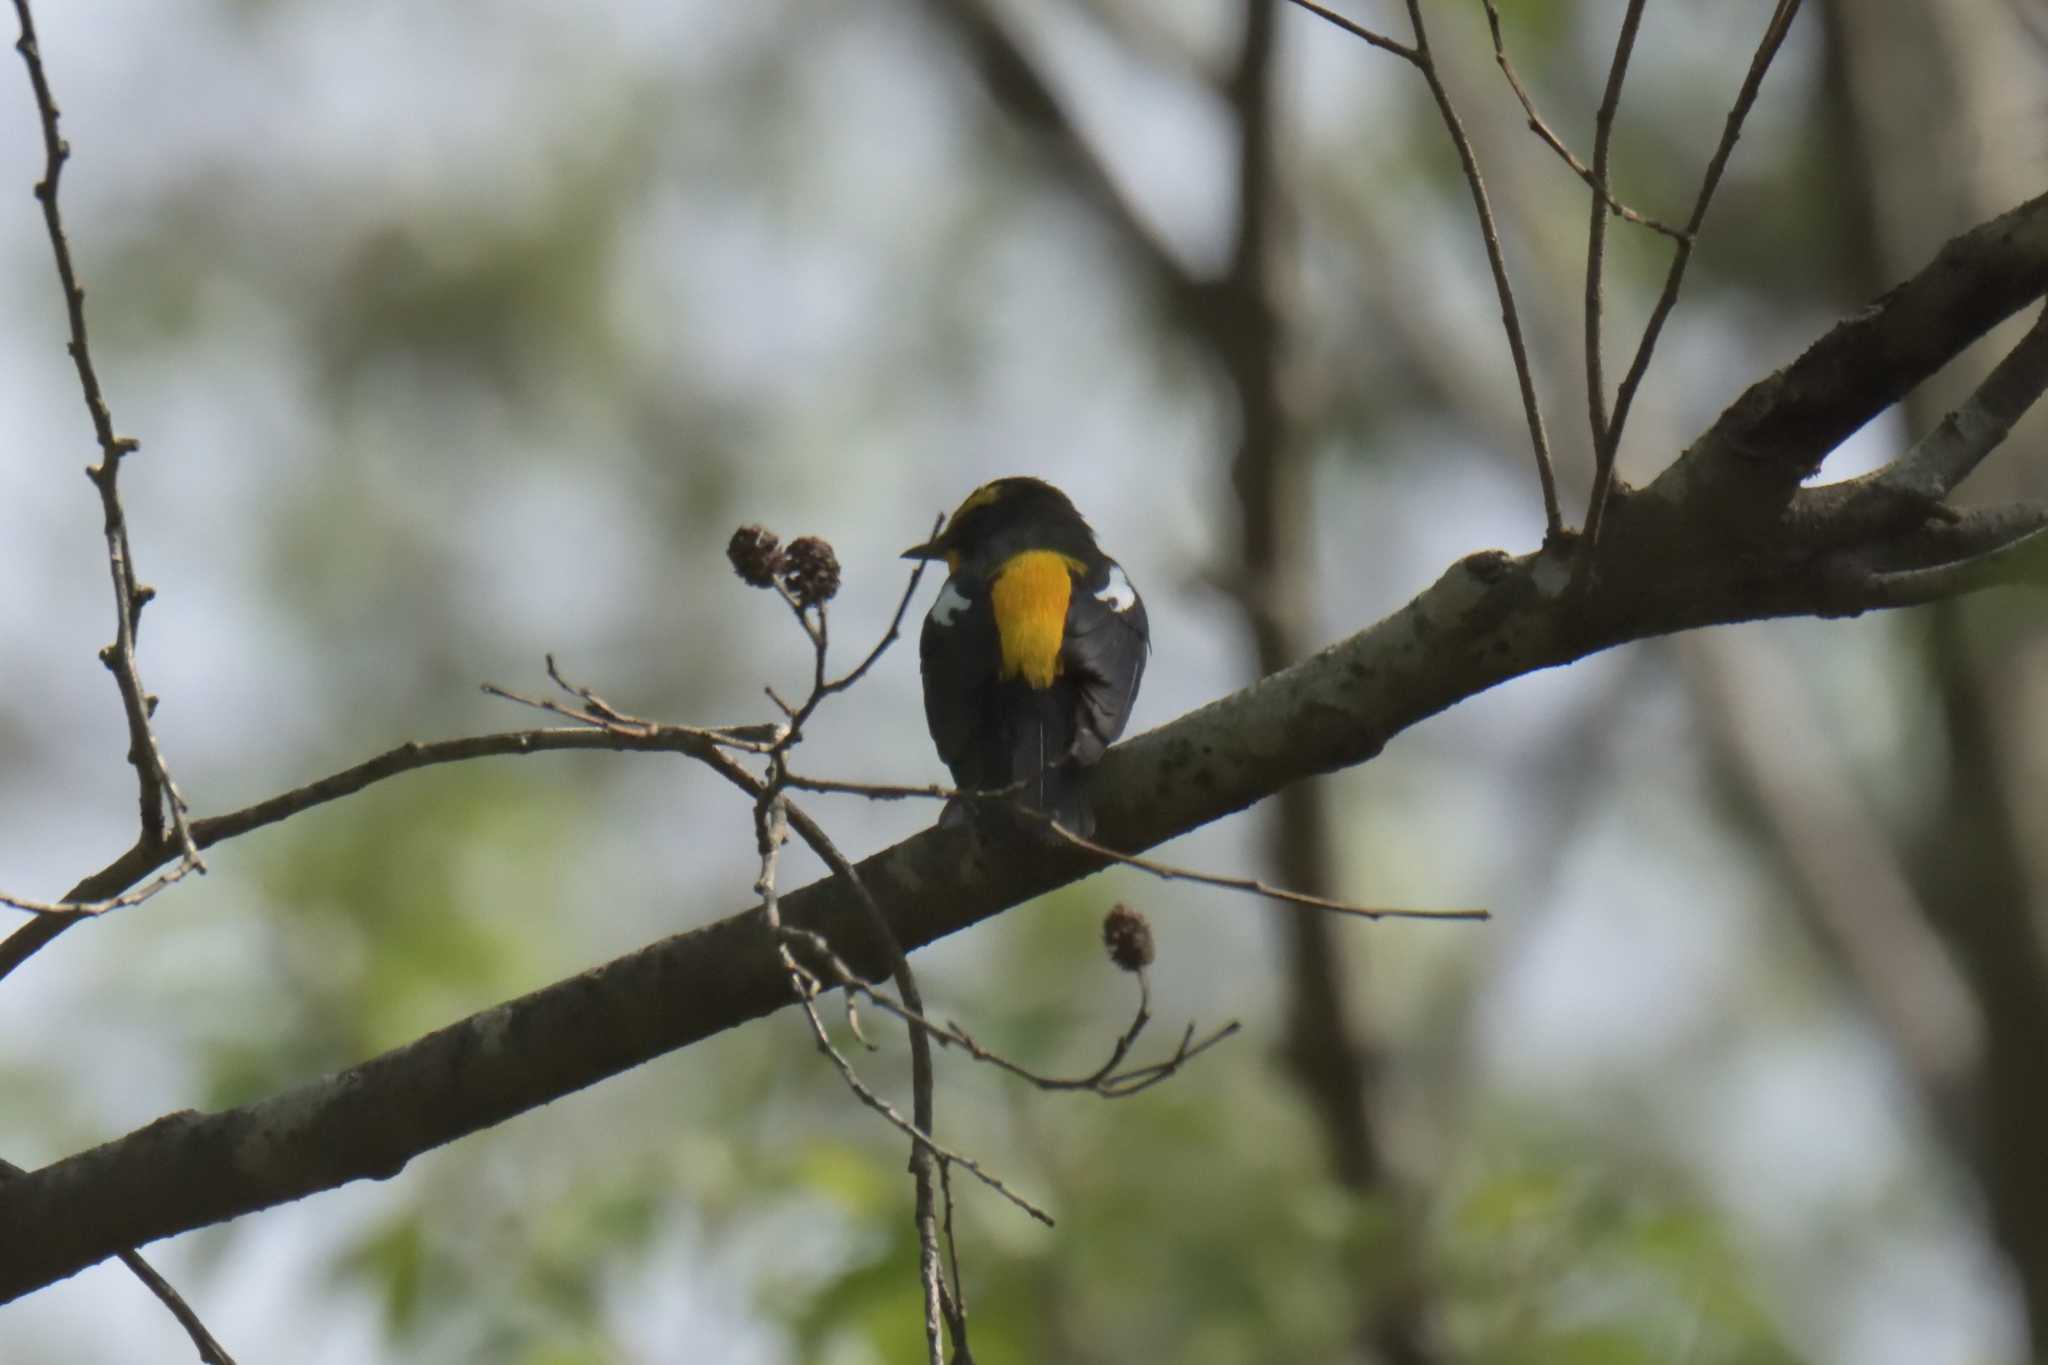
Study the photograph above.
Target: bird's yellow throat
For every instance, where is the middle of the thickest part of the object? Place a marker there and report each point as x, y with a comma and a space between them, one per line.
1030, 594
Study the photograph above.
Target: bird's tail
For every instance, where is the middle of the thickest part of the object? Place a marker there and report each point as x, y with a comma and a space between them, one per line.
1042, 753
1062, 792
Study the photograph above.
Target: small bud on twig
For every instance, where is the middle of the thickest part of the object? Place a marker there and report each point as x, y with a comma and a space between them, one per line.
810, 571
756, 555
1128, 936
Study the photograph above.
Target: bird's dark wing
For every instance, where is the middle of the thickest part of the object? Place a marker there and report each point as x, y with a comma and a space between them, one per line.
1103, 659
958, 655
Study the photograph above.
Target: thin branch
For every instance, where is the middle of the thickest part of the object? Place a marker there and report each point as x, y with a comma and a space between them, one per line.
1105, 1081
1420, 57
895, 630
1253, 886
1978, 533
1596, 233
1624, 397
211, 1352
1556, 144
154, 788
1944, 457
87, 909
955, 1302
596, 713
2022, 562
773, 810
1356, 30
886, 791
1486, 620
1510, 316
138, 862
771, 816
775, 814
1902, 503
924, 1147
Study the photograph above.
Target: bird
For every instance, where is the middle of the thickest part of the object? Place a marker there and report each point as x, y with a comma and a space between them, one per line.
1032, 653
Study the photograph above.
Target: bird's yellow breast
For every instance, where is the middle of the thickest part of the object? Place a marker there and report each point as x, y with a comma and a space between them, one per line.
1030, 593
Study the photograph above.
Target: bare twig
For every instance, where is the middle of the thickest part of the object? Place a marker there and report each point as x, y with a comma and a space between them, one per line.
1511, 320
1357, 30
807, 992
924, 1146
890, 791
955, 1300
886, 792
895, 630
880, 791
1610, 443
155, 790
1556, 144
773, 813
598, 705
1105, 1080
2022, 561
591, 732
1596, 232
211, 1352
1252, 885
1510, 316
87, 909
108, 884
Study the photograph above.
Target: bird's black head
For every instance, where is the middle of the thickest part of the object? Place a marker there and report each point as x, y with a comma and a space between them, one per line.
1000, 519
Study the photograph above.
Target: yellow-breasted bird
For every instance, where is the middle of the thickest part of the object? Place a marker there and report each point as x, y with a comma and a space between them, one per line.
1032, 654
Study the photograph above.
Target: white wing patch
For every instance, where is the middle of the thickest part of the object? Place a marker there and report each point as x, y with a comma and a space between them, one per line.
949, 606
1117, 594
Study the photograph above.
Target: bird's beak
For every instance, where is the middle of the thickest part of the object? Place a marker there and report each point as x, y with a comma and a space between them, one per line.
931, 549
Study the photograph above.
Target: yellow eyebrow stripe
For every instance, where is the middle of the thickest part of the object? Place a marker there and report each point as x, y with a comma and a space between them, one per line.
980, 497
1030, 593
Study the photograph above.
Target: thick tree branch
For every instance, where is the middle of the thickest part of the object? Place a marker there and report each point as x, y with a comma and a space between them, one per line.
1490, 618
1750, 462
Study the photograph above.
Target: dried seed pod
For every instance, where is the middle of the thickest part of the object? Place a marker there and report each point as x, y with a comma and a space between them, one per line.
1128, 936
756, 555
810, 570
